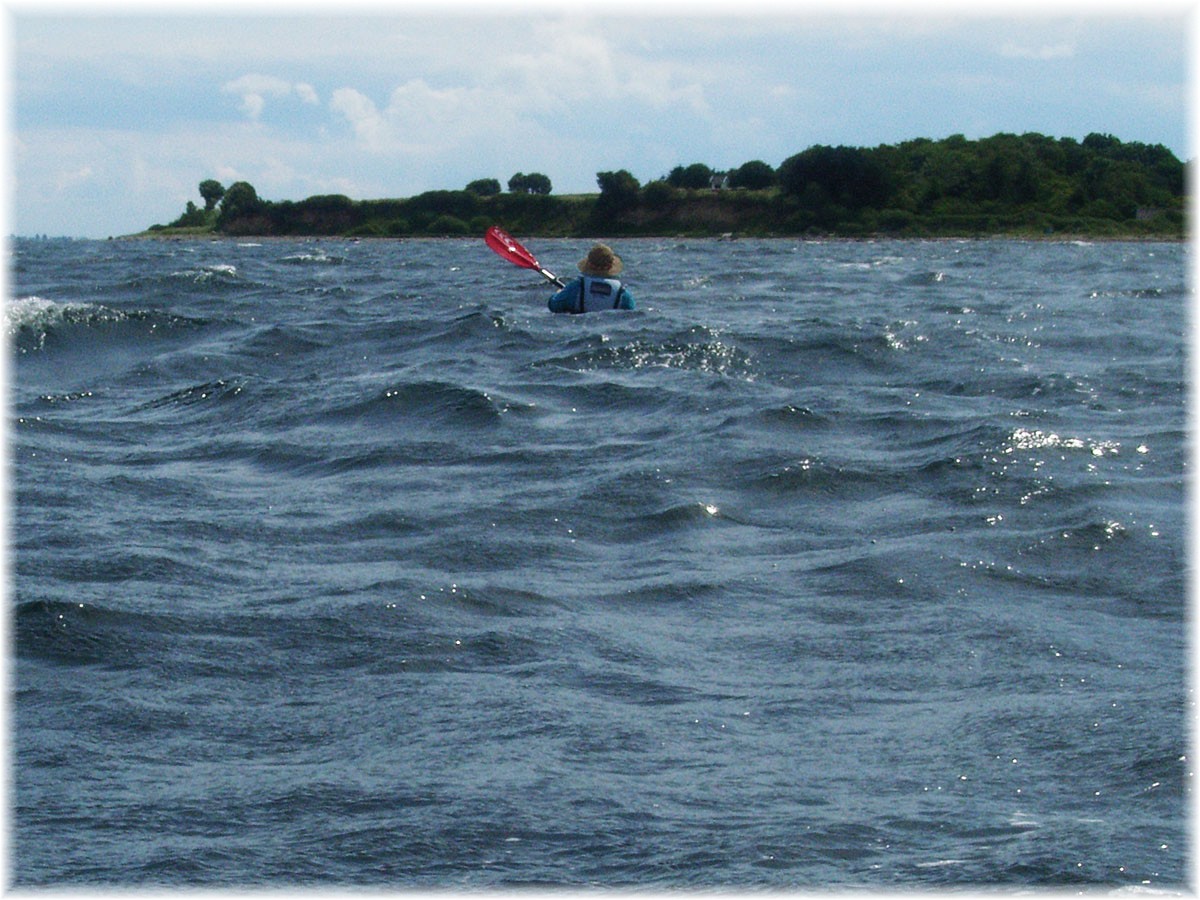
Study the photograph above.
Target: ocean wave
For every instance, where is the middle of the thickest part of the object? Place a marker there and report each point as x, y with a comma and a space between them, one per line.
786, 418
30, 320
918, 455
442, 403
1142, 293
668, 521
699, 350
427, 404
204, 274
480, 327
100, 633
318, 258
819, 344
824, 477
1023, 439
37, 324
71, 632
282, 342
212, 279
218, 391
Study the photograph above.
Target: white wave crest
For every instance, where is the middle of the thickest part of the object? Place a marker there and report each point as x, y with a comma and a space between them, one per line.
37, 313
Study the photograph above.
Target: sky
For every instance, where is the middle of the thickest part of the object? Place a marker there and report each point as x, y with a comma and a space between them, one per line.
117, 113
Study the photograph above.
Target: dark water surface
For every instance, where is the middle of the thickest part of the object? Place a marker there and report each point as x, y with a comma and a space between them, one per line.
835, 564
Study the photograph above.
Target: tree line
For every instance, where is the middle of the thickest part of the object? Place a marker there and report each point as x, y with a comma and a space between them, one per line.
1005, 184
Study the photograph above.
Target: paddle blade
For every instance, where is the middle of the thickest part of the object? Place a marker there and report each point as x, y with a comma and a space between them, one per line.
504, 245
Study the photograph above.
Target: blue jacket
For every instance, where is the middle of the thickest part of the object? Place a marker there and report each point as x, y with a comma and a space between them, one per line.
601, 293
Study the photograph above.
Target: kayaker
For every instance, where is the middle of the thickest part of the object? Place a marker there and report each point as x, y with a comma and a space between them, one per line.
597, 287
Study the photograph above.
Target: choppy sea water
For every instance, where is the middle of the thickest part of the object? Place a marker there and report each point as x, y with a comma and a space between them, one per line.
835, 564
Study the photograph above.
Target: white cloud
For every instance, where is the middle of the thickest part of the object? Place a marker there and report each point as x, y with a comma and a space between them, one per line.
255, 88
555, 79
448, 111
307, 93
360, 111
574, 63
426, 121
253, 105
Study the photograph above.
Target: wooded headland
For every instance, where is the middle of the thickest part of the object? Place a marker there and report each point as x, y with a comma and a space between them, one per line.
1013, 185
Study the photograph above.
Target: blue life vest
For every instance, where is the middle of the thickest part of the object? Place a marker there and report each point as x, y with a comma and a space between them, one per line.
598, 293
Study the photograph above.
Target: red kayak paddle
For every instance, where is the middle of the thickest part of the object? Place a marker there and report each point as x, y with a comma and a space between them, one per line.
504, 245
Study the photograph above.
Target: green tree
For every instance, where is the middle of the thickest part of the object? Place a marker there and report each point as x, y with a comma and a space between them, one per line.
1117, 185
533, 183
485, 187
845, 176
212, 192
1103, 144
1008, 170
755, 175
240, 201
696, 176
192, 217
659, 195
618, 192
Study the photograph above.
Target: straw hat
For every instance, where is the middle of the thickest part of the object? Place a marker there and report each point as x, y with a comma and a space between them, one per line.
601, 262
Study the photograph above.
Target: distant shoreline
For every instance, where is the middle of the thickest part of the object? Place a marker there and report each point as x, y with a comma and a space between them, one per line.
217, 237
1021, 187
